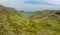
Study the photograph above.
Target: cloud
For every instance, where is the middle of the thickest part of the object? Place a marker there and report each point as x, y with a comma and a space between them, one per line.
35, 2
32, 4
48, 1
40, 7
1, 1
56, 2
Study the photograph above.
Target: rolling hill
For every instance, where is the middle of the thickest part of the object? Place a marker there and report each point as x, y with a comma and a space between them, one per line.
48, 21
13, 22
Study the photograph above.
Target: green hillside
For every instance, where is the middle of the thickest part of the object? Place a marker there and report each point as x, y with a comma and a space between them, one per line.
48, 21
13, 22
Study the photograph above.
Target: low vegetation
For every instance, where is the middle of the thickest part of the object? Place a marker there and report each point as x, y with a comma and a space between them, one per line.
13, 22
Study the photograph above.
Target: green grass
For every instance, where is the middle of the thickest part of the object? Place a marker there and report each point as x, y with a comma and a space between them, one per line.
18, 23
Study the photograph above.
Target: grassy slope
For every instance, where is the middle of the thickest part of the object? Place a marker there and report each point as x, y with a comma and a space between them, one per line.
48, 22
13, 22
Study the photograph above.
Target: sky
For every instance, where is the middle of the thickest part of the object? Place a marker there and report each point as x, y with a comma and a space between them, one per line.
32, 5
